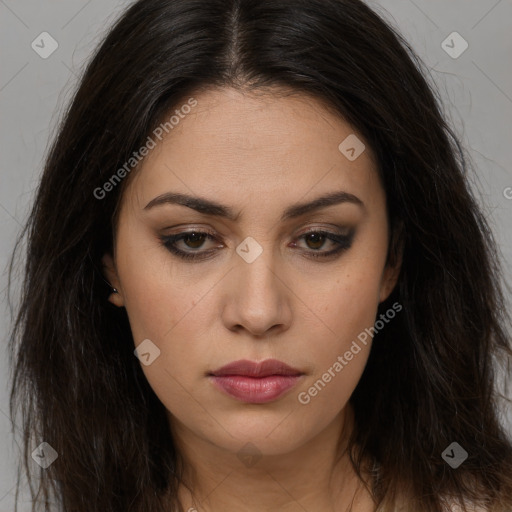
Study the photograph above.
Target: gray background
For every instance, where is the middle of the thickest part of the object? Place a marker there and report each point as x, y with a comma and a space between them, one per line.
476, 88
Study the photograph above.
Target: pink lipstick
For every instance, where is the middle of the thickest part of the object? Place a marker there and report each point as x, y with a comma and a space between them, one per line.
254, 382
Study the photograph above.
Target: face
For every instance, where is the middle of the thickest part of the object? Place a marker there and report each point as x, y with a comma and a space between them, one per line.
256, 276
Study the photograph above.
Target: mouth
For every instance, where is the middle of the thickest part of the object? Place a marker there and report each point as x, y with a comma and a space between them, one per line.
255, 382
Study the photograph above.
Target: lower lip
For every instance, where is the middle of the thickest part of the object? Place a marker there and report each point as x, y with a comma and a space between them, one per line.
255, 390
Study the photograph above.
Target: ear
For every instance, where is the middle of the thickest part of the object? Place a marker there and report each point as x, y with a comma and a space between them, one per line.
389, 280
110, 273
393, 265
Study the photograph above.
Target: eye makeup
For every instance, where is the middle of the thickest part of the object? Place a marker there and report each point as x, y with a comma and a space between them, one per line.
195, 239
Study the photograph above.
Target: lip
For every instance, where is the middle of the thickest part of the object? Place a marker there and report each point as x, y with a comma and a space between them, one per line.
256, 382
248, 368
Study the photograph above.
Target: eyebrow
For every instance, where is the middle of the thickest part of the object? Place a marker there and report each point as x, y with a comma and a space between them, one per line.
208, 207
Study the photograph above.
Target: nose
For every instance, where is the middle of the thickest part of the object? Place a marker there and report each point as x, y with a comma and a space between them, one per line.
258, 299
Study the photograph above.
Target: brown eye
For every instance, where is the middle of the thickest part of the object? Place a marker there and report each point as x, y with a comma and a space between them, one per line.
195, 238
192, 240
317, 240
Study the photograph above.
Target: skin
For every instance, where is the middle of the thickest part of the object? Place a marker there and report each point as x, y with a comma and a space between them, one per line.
257, 154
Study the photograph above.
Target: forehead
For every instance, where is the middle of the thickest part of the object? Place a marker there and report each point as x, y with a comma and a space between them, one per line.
255, 147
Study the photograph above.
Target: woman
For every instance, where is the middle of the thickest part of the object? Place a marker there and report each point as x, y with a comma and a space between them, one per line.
256, 276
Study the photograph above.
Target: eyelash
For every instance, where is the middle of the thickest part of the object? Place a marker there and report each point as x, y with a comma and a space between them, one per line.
344, 242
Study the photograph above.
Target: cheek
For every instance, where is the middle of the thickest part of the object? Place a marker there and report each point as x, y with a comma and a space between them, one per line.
168, 304
347, 307
348, 303
342, 346
162, 307
155, 296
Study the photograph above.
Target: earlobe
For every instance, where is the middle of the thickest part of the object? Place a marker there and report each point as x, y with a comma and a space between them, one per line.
110, 272
116, 299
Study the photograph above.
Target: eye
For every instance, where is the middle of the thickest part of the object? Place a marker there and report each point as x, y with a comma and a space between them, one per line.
314, 239
192, 239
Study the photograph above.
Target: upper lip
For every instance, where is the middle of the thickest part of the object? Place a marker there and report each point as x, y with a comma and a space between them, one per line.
256, 369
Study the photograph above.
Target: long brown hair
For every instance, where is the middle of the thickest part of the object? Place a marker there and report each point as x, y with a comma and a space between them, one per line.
430, 377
